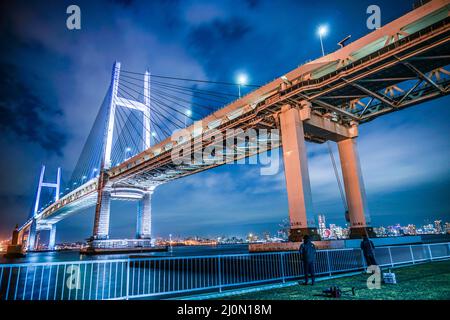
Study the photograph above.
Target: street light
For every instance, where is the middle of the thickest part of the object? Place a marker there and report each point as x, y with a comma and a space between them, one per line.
187, 114
242, 81
128, 149
322, 31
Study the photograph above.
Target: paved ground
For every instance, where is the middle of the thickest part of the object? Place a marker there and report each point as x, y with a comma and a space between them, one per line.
423, 281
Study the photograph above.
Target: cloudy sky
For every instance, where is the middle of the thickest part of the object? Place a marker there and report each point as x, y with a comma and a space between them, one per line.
53, 80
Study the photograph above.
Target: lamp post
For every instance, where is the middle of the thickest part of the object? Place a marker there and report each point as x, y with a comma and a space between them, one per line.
242, 81
322, 31
127, 150
187, 114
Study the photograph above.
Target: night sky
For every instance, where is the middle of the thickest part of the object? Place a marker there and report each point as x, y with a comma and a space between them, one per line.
53, 80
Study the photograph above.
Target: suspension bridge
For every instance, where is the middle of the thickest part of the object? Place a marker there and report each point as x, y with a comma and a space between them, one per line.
129, 151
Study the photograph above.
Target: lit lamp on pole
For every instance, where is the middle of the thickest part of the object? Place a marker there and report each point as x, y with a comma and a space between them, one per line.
127, 150
242, 81
187, 114
322, 31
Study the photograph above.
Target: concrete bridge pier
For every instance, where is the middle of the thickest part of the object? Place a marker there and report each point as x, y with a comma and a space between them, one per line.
51, 228
100, 238
102, 214
297, 175
354, 189
52, 237
144, 217
31, 240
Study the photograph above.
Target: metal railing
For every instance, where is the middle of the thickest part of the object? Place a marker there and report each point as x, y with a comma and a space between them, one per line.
161, 277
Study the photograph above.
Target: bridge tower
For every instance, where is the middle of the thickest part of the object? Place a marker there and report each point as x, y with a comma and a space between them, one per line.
297, 174
292, 118
354, 189
34, 228
107, 192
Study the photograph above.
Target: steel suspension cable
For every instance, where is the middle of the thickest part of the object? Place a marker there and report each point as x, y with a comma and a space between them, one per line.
188, 79
161, 96
155, 112
336, 173
168, 119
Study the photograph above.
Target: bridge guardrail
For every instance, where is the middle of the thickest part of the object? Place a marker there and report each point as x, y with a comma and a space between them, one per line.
161, 277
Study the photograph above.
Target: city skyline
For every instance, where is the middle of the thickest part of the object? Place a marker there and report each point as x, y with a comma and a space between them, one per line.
276, 232
338, 232
407, 181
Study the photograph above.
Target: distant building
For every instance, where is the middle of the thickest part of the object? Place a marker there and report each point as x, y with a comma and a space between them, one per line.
438, 226
252, 237
346, 231
411, 229
322, 225
284, 226
336, 232
380, 232
428, 228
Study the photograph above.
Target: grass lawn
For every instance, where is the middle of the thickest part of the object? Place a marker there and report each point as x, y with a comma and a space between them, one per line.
422, 281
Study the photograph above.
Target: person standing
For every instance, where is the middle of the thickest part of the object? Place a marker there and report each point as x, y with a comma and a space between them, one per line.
308, 257
368, 249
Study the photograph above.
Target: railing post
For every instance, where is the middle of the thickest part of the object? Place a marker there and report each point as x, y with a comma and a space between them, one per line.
363, 259
283, 276
429, 251
128, 279
412, 254
390, 257
9, 282
219, 272
329, 264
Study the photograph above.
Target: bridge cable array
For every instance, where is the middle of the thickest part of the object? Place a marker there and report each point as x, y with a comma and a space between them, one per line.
175, 102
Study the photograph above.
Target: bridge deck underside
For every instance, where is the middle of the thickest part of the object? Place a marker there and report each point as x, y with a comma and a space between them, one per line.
166, 170
82, 203
385, 78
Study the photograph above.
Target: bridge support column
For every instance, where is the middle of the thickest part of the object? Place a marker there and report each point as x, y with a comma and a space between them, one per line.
297, 175
144, 217
31, 240
52, 237
354, 189
102, 213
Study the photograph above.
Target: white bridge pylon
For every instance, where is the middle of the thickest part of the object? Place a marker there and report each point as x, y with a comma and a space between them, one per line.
116, 101
31, 243
107, 192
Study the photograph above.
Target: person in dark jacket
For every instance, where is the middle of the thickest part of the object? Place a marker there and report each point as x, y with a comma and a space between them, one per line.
368, 250
308, 257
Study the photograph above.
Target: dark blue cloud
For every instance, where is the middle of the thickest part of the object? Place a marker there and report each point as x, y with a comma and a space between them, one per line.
24, 114
210, 38
125, 3
253, 4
